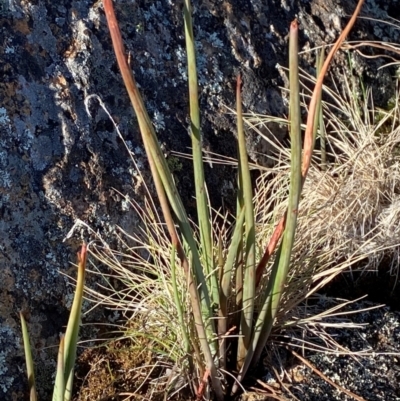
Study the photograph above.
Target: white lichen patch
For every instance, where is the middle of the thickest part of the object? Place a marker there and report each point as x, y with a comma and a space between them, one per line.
7, 336
4, 119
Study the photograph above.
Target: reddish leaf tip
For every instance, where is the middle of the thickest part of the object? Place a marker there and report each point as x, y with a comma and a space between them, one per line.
239, 80
82, 253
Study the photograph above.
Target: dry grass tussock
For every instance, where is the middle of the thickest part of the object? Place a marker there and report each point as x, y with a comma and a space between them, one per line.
351, 203
347, 218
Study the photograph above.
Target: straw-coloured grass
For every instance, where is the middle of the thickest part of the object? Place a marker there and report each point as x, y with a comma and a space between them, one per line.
349, 207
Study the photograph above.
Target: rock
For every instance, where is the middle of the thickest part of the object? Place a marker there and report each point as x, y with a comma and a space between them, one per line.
59, 163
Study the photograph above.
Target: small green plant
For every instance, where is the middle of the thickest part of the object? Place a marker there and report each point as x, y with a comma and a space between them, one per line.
233, 294
68, 343
174, 164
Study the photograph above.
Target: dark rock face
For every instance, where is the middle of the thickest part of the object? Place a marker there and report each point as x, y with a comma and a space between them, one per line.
61, 161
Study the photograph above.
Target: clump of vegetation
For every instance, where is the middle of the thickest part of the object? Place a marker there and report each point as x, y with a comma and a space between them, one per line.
208, 295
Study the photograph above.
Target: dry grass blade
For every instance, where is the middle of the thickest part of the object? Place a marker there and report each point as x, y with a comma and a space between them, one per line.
309, 137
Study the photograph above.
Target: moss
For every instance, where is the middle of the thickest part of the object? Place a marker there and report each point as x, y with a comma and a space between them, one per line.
174, 164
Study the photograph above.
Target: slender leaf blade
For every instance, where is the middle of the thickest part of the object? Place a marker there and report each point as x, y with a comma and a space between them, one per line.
246, 322
226, 284
203, 210
71, 334
281, 267
30, 370
59, 388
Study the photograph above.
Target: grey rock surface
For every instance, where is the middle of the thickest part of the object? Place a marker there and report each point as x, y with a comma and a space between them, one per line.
59, 163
